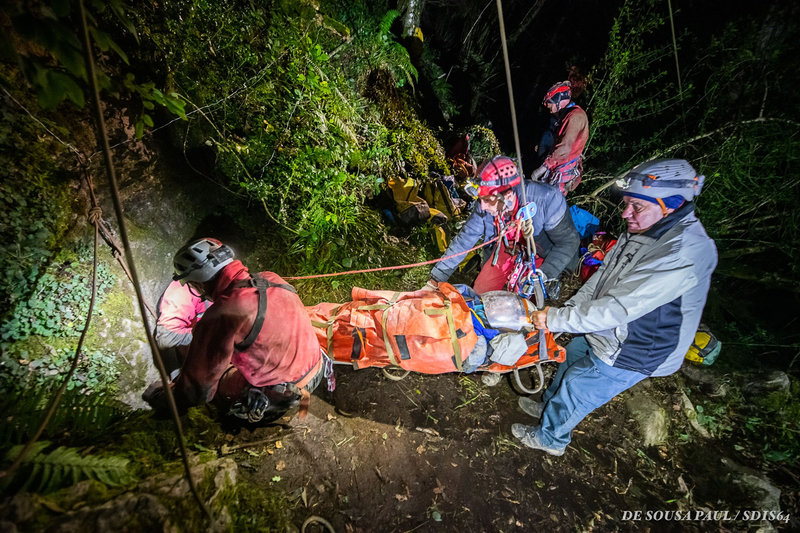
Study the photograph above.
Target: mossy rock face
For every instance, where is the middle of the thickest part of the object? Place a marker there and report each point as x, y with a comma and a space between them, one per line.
119, 329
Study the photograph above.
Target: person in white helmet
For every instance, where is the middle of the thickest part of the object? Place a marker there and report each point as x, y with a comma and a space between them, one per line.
638, 313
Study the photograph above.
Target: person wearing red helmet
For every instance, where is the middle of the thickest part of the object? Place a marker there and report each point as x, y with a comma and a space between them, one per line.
500, 199
237, 356
570, 128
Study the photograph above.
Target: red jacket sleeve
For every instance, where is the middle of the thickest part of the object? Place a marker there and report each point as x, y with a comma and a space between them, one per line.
210, 353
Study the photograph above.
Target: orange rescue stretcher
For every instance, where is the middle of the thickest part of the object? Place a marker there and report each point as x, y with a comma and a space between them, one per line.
427, 331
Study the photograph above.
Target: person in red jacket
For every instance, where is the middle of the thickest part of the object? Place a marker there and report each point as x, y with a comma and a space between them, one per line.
563, 166
254, 349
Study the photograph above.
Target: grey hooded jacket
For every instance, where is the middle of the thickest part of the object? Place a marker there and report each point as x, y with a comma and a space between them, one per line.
555, 236
641, 309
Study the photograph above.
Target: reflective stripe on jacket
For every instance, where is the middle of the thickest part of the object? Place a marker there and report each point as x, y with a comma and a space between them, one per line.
641, 309
284, 351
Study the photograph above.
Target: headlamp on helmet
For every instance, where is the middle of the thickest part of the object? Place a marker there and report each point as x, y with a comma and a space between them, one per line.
498, 175
558, 92
662, 178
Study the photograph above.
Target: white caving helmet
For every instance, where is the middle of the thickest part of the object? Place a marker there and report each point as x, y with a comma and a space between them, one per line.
200, 260
662, 178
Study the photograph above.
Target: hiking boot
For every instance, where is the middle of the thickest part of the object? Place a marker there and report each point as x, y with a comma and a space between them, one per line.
490, 379
526, 435
531, 407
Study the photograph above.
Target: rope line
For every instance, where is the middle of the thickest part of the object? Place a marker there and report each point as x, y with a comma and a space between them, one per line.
115, 196
528, 240
94, 217
410, 265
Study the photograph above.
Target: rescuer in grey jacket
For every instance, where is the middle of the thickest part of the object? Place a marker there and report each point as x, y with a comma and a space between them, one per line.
500, 197
639, 312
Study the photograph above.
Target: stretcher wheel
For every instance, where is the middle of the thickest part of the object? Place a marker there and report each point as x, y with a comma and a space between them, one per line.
388, 371
525, 390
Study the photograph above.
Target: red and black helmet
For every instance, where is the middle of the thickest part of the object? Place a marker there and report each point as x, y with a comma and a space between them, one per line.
558, 92
497, 175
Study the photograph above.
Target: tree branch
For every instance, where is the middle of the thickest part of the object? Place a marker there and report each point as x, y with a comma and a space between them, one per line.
695, 139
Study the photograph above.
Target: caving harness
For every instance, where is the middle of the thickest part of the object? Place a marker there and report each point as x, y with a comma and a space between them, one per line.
566, 176
525, 279
256, 402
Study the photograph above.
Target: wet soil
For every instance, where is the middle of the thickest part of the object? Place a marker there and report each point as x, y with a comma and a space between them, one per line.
435, 453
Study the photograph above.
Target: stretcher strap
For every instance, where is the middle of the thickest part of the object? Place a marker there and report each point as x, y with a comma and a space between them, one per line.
451, 326
384, 318
328, 326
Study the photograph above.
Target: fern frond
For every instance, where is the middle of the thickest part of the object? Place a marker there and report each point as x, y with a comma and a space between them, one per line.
45, 472
78, 413
344, 129
387, 20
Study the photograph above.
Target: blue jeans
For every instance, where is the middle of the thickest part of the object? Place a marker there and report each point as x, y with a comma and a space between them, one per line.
582, 384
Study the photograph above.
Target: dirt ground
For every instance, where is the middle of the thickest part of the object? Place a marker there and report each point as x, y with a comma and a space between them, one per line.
435, 453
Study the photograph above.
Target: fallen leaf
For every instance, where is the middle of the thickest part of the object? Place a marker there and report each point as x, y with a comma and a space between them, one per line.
401, 497
53, 506
330, 416
278, 444
420, 449
385, 436
280, 466
276, 478
228, 437
304, 496
453, 465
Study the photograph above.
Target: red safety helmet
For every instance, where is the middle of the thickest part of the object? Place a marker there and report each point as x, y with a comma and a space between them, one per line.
497, 175
558, 92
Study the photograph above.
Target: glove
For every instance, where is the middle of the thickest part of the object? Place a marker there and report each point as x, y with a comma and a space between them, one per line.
539, 173
527, 228
432, 285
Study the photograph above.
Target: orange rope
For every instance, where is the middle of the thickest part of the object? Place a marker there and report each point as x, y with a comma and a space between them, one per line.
400, 267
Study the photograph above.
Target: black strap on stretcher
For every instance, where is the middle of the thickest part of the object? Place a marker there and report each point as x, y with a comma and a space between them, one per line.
262, 285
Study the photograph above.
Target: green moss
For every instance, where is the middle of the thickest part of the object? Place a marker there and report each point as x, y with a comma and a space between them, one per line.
257, 508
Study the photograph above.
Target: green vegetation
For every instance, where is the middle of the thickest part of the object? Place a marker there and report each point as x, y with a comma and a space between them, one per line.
304, 114
302, 111
727, 115
47, 471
